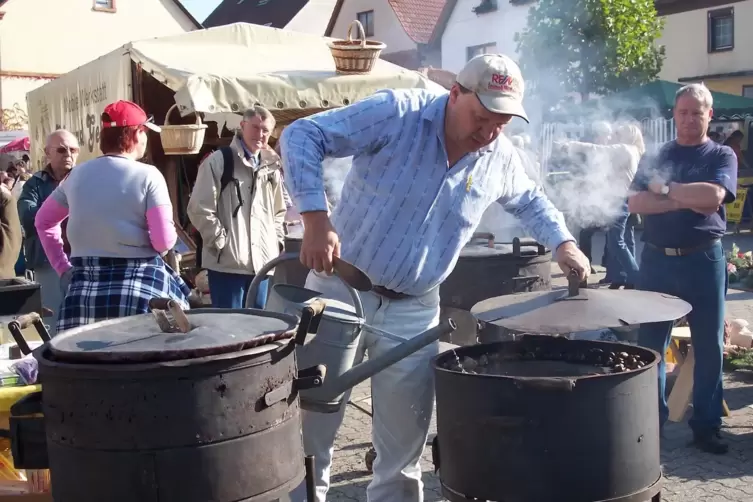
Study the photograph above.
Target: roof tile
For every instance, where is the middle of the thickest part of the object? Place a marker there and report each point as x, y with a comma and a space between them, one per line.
418, 17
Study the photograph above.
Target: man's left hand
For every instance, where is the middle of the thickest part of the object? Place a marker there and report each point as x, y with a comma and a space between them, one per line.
570, 258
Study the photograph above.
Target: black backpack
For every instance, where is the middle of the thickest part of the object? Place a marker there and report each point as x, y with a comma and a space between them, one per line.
228, 176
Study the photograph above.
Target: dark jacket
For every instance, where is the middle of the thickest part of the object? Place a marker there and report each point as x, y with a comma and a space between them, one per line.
10, 235
35, 192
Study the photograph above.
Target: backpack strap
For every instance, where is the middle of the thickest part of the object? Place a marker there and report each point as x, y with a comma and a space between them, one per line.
228, 176
228, 167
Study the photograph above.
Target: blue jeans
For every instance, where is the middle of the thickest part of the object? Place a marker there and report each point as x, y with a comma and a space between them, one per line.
621, 266
228, 291
701, 280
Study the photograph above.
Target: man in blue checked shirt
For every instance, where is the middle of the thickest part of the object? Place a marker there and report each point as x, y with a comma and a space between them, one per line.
426, 166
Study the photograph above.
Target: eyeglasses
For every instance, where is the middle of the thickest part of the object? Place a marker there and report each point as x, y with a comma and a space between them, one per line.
62, 150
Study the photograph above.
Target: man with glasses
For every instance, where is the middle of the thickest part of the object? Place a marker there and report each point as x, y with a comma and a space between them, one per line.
61, 150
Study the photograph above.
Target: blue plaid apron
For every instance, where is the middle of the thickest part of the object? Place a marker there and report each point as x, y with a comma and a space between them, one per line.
107, 288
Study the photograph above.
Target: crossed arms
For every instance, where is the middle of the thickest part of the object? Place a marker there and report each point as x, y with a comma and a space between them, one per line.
701, 197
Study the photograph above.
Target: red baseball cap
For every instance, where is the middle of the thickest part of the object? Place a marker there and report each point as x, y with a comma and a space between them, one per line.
128, 114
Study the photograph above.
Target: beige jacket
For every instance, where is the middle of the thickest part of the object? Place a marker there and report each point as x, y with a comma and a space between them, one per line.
244, 243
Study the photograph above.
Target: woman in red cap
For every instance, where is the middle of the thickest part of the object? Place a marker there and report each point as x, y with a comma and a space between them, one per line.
120, 223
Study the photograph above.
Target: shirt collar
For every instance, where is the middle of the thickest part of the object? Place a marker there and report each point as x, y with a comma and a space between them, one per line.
254, 159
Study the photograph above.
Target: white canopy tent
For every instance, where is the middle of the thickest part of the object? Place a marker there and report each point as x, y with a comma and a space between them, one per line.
219, 70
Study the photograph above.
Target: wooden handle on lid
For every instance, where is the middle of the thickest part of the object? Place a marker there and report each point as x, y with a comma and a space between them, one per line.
179, 322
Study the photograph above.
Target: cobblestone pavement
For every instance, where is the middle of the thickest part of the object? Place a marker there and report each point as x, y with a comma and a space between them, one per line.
690, 474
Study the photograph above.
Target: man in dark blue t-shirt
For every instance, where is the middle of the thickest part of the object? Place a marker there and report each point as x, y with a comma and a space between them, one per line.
681, 193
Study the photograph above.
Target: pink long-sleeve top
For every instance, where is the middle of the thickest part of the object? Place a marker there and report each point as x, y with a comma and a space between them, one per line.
116, 208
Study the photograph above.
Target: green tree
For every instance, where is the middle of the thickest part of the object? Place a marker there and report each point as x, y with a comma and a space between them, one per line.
591, 46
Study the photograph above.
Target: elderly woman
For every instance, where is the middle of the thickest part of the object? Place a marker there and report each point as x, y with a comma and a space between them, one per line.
120, 223
624, 155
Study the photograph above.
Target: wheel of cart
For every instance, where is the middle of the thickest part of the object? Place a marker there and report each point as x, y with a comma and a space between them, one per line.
24, 467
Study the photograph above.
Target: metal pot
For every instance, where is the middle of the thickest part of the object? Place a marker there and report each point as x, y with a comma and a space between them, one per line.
549, 424
335, 343
486, 269
134, 414
292, 271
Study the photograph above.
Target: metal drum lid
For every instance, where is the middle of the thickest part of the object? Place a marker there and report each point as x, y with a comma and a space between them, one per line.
557, 312
480, 250
138, 338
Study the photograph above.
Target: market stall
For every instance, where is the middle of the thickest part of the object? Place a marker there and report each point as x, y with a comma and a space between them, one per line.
206, 77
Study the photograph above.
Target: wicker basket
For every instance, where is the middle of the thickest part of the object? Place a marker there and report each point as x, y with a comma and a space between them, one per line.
355, 57
183, 139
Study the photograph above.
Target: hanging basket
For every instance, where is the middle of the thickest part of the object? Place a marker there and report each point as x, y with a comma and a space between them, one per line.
355, 57
183, 139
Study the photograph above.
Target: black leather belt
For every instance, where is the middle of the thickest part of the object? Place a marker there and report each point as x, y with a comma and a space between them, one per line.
684, 251
389, 294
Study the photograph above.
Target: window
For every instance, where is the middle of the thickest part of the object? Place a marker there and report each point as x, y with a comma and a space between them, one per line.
367, 20
721, 30
104, 5
476, 50
748, 91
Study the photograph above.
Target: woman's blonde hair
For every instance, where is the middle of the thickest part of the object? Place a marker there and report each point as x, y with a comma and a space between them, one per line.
630, 134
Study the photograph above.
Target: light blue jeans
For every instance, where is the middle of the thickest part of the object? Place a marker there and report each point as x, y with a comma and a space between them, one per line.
402, 397
621, 244
228, 291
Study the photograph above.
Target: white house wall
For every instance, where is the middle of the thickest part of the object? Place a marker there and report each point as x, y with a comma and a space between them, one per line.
686, 44
387, 27
465, 29
69, 33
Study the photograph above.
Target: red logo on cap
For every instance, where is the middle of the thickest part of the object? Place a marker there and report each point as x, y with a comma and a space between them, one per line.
504, 83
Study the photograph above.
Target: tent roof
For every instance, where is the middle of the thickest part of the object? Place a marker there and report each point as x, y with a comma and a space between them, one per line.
232, 67
656, 98
661, 93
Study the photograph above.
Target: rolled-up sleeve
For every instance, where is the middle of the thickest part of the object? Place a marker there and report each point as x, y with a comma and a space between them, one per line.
524, 200
359, 128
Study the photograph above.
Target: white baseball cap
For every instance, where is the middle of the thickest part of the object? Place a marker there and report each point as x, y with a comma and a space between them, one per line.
497, 82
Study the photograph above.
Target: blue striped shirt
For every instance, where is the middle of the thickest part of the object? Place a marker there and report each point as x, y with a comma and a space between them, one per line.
404, 213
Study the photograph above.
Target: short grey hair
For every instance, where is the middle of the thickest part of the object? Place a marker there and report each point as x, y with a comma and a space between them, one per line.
699, 91
261, 112
60, 133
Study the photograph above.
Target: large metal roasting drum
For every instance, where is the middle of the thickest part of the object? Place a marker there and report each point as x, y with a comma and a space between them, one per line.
487, 269
203, 409
547, 419
292, 271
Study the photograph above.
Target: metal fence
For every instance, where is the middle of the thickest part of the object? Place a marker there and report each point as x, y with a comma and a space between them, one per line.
655, 132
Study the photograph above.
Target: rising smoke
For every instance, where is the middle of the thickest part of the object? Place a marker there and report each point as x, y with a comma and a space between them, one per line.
581, 185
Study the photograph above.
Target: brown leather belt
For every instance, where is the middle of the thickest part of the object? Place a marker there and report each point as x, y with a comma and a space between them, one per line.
389, 294
684, 251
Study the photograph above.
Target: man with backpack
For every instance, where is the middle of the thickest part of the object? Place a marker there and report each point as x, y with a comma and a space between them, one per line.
237, 206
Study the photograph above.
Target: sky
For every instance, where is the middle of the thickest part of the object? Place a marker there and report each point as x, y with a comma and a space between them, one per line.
200, 9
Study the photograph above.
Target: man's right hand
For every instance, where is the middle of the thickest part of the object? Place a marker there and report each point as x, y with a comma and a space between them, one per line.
320, 242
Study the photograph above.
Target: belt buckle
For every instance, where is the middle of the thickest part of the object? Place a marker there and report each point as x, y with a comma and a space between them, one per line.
673, 252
